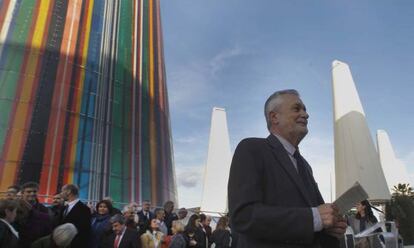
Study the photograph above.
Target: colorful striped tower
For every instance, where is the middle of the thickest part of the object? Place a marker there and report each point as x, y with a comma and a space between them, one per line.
83, 98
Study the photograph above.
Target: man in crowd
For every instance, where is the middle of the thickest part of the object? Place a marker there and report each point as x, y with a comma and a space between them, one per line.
274, 200
170, 216
145, 216
183, 216
12, 191
205, 221
56, 208
122, 237
33, 219
78, 214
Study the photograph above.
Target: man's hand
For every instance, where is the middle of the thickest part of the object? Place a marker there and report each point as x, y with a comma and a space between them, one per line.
329, 215
338, 229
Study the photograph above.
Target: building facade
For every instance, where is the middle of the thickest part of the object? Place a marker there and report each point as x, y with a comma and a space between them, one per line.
83, 98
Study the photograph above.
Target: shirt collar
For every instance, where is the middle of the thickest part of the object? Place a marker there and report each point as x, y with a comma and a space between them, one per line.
286, 144
72, 203
11, 228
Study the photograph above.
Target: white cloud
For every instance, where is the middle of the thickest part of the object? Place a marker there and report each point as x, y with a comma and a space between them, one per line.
186, 140
189, 176
188, 85
219, 61
189, 185
192, 84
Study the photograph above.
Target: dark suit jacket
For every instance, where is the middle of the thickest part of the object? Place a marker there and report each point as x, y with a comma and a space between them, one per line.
80, 216
7, 238
144, 222
129, 240
269, 204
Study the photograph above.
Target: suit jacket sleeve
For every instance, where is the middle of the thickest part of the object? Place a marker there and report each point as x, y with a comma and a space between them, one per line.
251, 211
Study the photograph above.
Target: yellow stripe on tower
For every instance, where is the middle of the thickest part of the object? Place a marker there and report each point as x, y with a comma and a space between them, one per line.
78, 99
152, 105
22, 106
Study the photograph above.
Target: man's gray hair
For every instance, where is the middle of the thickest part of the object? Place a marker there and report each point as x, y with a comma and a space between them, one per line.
64, 234
117, 218
273, 102
72, 188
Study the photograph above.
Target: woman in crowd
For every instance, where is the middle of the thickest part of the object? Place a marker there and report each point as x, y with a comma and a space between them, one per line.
101, 226
195, 233
178, 239
152, 238
364, 217
221, 237
8, 235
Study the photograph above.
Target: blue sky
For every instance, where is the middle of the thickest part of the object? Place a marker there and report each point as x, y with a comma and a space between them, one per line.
235, 53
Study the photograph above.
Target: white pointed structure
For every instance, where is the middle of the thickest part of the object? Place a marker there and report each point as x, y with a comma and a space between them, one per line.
217, 169
356, 158
394, 169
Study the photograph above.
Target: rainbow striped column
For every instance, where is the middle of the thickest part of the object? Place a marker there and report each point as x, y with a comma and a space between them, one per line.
83, 98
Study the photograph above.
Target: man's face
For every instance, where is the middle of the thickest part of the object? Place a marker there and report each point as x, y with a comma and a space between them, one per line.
11, 194
208, 221
65, 193
57, 200
146, 206
160, 215
30, 194
117, 228
290, 119
169, 208
182, 214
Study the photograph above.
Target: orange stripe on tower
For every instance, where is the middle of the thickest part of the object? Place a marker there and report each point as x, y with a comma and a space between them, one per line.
54, 139
26, 91
77, 97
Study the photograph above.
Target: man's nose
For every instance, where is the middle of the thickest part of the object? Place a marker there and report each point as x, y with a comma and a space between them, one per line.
304, 114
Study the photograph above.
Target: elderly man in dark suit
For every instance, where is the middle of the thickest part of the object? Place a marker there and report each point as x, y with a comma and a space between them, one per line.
122, 237
78, 214
274, 200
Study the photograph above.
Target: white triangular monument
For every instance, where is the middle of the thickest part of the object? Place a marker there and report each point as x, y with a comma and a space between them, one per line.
394, 169
356, 157
217, 169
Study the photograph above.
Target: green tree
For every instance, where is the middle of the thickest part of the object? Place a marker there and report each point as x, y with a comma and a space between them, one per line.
401, 210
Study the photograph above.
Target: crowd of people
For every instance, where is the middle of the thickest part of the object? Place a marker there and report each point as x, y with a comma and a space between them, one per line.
68, 222
273, 200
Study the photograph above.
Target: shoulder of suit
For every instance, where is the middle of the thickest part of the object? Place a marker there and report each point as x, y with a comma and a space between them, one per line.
253, 141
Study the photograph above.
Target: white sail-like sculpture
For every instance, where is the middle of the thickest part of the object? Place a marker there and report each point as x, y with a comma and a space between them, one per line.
216, 175
356, 158
394, 169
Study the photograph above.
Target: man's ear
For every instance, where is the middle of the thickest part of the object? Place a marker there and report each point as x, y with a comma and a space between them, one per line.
273, 117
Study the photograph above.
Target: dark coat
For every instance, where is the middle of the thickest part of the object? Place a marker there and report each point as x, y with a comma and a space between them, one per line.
101, 227
168, 219
80, 216
55, 214
200, 236
269, 204
144, 221
7, 238
129, 240
34, 226
179, 240
221, 238
44, 242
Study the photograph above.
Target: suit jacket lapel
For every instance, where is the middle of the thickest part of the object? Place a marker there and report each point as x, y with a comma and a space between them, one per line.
282, 156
